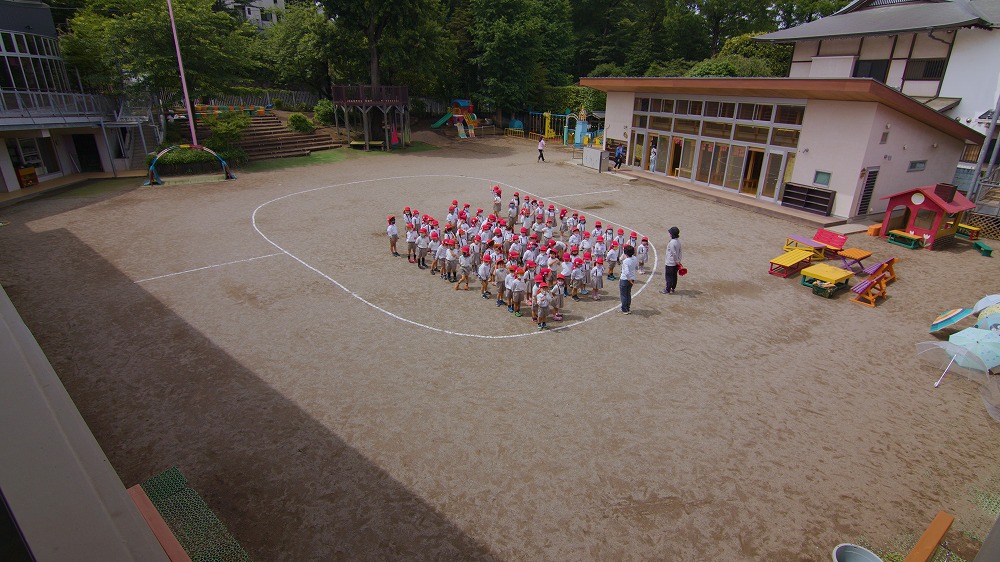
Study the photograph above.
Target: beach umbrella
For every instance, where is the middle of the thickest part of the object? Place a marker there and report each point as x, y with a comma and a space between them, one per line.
986, 302
990, 310
984, 343
991, 322
949, 317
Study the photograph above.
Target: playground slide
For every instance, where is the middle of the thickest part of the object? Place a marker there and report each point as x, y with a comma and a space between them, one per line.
441, 120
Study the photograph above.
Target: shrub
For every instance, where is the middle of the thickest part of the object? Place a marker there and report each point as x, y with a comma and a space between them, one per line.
325, 111
194, 161
226, 128
278, 103
301, 107
731, 65
300, 123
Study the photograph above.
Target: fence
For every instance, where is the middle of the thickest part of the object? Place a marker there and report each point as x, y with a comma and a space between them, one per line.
15, 103
267, 97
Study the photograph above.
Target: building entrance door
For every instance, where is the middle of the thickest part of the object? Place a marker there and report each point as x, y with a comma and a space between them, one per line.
751, 172
87, 154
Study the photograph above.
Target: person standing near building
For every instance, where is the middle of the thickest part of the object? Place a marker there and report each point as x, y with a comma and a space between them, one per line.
541, 150
619, 155
652, 158
673, 260
627, 279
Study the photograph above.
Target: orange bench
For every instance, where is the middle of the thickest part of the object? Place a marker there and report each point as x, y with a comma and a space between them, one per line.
931, 539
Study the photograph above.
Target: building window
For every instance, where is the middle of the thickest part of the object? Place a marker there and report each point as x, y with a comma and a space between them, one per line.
924, 69
790, 114
885, 138
877, 69
660, 123
917, 166
750, 133
788, 138
642, 104
668, 106
716, 129
639, 121
682, 107
971, 152
822, 178
689, 126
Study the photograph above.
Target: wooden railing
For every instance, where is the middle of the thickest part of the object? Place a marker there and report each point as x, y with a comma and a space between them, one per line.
367, 95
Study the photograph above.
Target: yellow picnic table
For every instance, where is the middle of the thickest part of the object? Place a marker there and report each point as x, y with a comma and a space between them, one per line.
802, 243
790, 262
968, 232
825, 273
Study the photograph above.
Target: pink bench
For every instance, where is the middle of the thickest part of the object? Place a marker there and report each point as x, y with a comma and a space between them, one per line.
834, 242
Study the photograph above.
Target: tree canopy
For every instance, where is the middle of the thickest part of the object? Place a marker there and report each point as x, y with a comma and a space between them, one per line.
506, 54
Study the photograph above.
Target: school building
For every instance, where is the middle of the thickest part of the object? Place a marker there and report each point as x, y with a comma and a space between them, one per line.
832, 146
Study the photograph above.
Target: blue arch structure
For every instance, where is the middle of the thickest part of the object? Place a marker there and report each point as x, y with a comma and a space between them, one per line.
154, 178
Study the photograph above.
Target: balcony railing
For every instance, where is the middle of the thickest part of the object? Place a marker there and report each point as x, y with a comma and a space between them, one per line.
367, 95
30, 104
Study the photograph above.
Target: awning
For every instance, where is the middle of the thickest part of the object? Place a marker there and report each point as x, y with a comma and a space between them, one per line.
938, 104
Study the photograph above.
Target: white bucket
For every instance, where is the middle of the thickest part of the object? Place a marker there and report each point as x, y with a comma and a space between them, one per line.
853, 553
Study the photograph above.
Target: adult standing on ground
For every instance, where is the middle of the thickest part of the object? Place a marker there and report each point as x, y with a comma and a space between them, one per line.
627, 279
652, 158
541, 150
673, 260
619, 155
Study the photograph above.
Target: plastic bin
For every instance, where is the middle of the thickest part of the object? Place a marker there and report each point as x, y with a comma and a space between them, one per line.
853, 553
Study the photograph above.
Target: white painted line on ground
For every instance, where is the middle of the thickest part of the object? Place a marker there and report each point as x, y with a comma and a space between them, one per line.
253, 218
208, 267
579, 194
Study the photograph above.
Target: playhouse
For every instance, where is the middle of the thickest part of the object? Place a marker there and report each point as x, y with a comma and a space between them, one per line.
930, 216
462, 111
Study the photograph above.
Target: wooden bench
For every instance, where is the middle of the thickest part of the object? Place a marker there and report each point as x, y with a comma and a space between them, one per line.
817, 249
790, 262
883, 267
834, 242
983, 248
905, 239
967, 231
931, 539
869, 290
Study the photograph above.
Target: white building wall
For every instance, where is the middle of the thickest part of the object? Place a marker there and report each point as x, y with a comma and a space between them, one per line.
618, 117
973, 74
908, 141
834, 139
877, 47
832, 67
840, 47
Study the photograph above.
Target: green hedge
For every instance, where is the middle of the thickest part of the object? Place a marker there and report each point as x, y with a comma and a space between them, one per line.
325, 111
194, 159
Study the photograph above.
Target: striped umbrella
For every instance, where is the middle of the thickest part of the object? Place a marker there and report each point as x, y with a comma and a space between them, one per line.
950, 317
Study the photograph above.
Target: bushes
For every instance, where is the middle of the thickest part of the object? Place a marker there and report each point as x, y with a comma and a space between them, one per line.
194, 161
300, 123
226, 128
324, 112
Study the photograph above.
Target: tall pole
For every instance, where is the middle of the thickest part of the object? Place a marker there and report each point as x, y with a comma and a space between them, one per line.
180, 65
976, 180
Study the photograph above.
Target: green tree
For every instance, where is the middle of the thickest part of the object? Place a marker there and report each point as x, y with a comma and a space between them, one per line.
731, 65
727, 18
127, 45
778, 56
505, 35
374, 21
790, 13
298, 47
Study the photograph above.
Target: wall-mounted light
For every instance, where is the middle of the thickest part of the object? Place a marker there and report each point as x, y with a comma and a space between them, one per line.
888, 125
934, 145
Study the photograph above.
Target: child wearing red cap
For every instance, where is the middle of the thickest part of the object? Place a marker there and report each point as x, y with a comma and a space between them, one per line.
557, 296
597, 278
411, 243
578, 279
423, 241
465, 267
536, 287
393, 235
612, 260
642, 252
497, 200
484, 271
451, 260
500, 280
517, 292
543, 300
563, 223
439, 258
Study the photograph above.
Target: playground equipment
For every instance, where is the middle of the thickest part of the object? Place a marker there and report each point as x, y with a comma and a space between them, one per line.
154, 178
581, 135
392, 101
462, 117
932, 212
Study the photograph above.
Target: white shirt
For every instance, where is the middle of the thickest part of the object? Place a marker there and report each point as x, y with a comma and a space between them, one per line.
541, 144
628, 268
391, 230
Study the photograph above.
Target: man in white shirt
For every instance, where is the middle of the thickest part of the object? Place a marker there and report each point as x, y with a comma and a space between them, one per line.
627, 278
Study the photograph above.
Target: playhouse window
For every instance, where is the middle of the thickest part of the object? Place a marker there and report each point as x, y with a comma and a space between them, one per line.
917, 166
822, 178
924, 219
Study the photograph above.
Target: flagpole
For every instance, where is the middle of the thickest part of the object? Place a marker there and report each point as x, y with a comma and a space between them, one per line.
180, 65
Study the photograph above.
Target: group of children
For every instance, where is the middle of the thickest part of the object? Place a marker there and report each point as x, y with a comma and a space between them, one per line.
534, 256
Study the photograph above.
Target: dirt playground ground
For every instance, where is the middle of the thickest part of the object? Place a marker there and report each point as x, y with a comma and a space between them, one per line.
331, 402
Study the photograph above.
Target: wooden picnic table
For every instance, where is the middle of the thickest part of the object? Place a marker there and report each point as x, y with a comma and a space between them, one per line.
853, 256
803, 243
967, 231
827, 274
904, 239
790, 262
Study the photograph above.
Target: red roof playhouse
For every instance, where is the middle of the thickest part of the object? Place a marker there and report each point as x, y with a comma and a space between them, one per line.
931, 213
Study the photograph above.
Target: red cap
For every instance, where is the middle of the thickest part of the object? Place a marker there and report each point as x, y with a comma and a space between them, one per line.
520, 270
634, 234
503, 222
645, 238
513, 253
406, 209
600, 260
583, 218
465, 250
487, 258
534, 236
614, 243
566, 256
563, 212
586, 256
574, 249
552, 207
600, 238
479, 211
454, 201
597, 224
621, 231
390, 218
478, 238
516, 194
530, 263
434, 236
586, 234
451, 208
543, 285
491, 218
560, 276
578, 261
497, 231
524, 230
539, 277
423, 230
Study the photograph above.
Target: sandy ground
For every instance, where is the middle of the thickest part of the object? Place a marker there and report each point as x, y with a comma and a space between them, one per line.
316, 392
